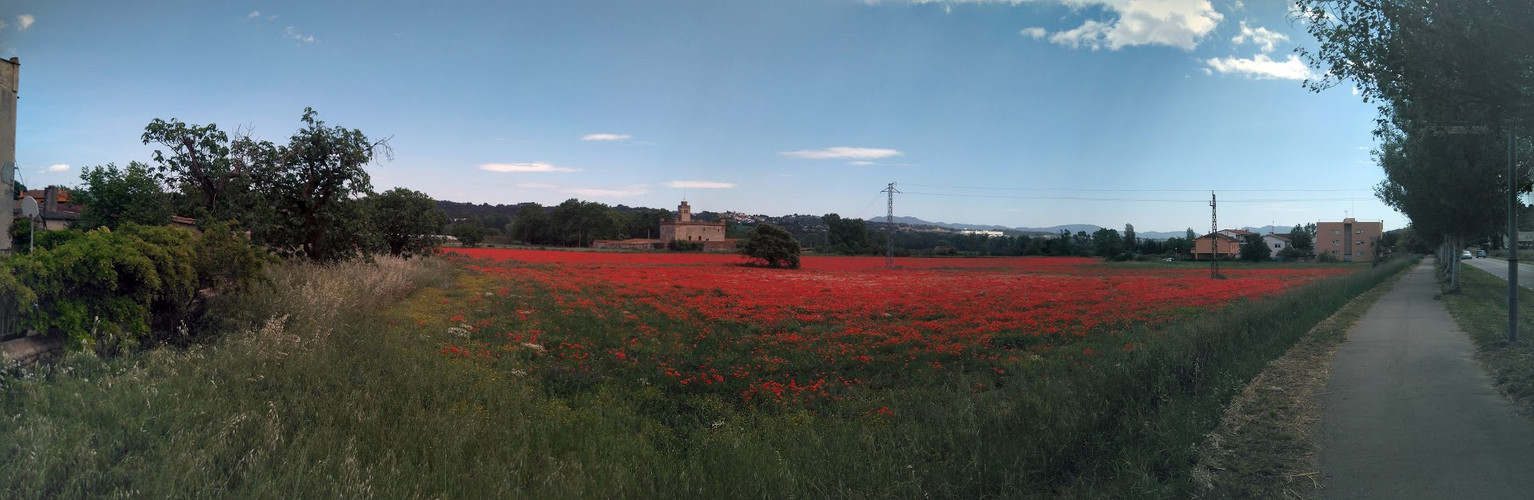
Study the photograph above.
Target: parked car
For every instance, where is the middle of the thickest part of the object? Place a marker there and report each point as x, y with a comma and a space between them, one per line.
1465, 255
1480, 254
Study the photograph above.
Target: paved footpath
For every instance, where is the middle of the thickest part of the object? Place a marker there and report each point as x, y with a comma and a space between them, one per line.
1409, 414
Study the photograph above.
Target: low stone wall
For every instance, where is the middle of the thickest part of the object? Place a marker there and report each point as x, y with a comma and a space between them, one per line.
28, 350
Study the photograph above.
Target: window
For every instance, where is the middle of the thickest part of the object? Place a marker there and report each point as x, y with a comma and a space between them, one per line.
1360, 243
1360, 252
1335, 231
1358, 231
1336, 243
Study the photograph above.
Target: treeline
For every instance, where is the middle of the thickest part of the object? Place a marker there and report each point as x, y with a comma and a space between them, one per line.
120, 278
852, 236
573, 223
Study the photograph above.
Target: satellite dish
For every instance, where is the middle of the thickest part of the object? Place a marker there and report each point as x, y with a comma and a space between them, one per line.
29, 207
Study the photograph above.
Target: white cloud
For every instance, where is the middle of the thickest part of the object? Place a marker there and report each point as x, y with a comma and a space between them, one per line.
860, 163
606, 137
25, 21
1263, 68
843, 152
1262, 37
700, 184
1173, 23
536, 166
1035, 33
255, 14
57, 167
293, 33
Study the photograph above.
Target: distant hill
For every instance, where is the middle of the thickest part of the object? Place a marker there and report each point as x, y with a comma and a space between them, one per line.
1073, 228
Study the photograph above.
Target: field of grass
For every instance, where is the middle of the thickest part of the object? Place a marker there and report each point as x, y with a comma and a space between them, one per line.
611, 380
1481, 310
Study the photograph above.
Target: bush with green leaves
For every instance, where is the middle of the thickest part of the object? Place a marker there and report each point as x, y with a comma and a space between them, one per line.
109, 291
771, 246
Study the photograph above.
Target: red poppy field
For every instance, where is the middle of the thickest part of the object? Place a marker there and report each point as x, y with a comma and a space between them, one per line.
835, 336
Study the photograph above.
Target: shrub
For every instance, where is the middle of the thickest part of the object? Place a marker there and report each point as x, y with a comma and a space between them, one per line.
684, 246
109, 291
771, 246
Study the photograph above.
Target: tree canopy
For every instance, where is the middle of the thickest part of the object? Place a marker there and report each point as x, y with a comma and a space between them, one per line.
407, 222
114, 196
771, 246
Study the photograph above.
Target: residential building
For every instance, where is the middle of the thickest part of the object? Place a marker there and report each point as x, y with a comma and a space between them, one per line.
709, 234
1276, 243
1228, 241
1350, 240
54, 209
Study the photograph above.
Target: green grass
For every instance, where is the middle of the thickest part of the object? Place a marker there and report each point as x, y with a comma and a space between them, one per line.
324, 390
1480, 309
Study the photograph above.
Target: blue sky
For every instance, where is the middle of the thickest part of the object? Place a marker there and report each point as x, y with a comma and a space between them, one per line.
1017, 113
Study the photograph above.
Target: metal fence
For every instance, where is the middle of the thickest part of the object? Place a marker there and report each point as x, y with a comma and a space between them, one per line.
10, 318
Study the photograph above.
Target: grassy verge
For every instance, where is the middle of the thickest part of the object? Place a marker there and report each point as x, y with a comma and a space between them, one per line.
325, 394
1262, 447
1480, 309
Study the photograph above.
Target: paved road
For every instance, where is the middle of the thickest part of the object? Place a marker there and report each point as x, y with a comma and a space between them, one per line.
1498, 268
1409, 414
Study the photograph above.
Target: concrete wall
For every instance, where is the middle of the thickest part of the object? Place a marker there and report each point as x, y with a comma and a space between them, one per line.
10, 79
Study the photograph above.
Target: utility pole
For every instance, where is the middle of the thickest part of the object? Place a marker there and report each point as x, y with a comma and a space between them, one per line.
1512, 236
889, 229
1214, 238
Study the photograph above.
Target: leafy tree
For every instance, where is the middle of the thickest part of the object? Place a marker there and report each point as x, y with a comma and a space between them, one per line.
200, 165
115, 196
1302, 241
847, 236
1131, 243
469, 234
1432, 66
1465, 60
1190, 235
406, 221
644, 222
771, 246
1254, 249
1109, 244
532, 225
578, 223
311, 189
1178, 246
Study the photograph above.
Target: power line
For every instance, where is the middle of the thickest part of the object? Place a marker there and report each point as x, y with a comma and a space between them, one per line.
1093, 190
1149, 200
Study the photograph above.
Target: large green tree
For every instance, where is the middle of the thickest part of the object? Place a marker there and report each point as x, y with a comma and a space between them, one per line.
1439, 70
1254, 249
771, 246
114, 196
197, 161
407, 222
849, 236
1302, 240
311, 190
532, 225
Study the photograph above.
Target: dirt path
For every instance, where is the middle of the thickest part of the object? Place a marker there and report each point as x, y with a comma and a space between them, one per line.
1409, 414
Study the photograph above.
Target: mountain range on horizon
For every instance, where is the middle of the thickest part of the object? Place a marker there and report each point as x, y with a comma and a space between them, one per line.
1074, 228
